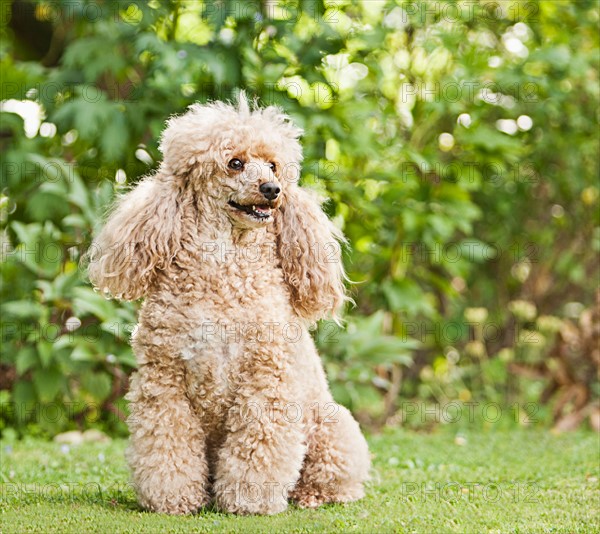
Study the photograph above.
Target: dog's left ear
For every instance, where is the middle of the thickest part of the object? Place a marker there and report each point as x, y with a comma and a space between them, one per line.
309, 247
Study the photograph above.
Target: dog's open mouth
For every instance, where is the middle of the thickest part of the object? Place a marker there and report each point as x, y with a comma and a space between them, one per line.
258, 211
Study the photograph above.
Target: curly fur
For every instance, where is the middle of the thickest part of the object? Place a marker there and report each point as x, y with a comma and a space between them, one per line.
230, 402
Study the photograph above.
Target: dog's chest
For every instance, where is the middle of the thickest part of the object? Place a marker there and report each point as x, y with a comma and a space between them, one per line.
211, 366
226, 334
226, 277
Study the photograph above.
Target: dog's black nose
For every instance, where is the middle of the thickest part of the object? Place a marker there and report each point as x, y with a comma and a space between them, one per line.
270, 190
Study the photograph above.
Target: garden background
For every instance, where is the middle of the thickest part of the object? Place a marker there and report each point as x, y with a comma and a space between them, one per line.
457, 141
458, 144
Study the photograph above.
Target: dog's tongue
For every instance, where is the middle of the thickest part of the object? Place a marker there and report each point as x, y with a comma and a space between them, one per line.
261, 209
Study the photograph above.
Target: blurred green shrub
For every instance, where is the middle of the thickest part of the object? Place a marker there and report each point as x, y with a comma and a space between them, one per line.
457, 141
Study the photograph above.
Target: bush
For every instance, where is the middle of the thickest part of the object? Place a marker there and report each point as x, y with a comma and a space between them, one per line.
458, 146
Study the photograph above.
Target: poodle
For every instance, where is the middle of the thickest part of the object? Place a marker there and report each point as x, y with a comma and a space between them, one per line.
235, 261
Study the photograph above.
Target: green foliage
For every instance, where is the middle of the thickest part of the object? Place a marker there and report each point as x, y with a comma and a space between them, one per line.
458, 144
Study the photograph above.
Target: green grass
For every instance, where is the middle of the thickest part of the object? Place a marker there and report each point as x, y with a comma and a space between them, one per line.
518, 481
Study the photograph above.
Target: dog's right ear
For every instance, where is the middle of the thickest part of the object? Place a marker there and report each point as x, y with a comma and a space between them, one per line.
142, 234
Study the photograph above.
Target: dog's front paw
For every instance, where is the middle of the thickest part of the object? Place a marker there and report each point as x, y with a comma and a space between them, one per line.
172, 497
243, 497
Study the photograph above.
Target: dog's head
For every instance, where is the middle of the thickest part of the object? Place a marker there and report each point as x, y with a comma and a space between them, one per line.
233, 167
241, 158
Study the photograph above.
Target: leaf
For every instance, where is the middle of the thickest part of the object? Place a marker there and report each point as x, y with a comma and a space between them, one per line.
491, 140
23, 395
76, 220
402, 295
115, 137
26, 359
12, 121
87, 301
38, 250
27, 233
65, 341
48, 383
78, 193
88, 118
82, 353
474, 250
127, 358
45, 351
23, 309
98, 384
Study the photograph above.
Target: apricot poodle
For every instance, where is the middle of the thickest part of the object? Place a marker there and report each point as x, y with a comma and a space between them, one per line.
235, 261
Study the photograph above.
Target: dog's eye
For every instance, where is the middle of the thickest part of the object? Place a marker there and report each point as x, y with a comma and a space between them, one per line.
272, 166
236, 164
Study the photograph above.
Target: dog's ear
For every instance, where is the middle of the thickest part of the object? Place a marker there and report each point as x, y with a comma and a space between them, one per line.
309, 247
142, 234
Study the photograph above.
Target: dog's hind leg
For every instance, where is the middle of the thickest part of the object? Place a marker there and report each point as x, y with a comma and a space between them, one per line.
337, 462
166, 453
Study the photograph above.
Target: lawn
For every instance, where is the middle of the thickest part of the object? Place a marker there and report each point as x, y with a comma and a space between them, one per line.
524, 480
